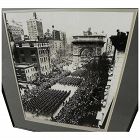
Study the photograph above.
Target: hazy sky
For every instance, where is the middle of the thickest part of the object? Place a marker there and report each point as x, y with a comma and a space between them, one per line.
74, 23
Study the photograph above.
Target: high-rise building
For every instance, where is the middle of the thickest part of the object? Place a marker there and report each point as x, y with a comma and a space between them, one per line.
16, 31
64, 40
59, 35
59, 39
56, 35
35, 28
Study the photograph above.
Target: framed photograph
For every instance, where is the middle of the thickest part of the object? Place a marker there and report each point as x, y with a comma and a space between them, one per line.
70, 69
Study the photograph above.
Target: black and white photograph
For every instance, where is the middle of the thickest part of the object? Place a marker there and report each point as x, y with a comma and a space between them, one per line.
68, 64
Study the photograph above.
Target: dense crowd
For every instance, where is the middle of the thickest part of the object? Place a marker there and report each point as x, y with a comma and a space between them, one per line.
43, 83
73, 81
46, 102
83, 106
79, 73
50, 79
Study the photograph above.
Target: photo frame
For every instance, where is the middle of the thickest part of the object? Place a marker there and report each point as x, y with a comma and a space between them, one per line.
58, 80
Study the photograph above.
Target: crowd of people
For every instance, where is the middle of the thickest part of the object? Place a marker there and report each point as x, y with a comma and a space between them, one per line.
49, 80
44, 83
83, 106
46, 102
79, 73
73, 81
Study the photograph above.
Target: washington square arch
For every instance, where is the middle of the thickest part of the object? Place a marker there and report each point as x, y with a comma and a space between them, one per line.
87, 47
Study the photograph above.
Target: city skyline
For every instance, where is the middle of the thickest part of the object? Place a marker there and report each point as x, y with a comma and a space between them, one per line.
94, 20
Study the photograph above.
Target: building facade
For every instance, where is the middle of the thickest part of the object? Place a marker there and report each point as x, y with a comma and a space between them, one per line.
25, 73
34, 53
58, 42
57, 49
17, 32
56, 35
35, 28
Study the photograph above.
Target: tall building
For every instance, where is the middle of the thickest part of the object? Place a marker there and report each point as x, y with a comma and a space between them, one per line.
59, 35
16, 31
56, 35
59, 40
36, 53
35, 28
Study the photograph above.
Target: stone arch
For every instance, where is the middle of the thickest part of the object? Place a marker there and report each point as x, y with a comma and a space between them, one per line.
86, 52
